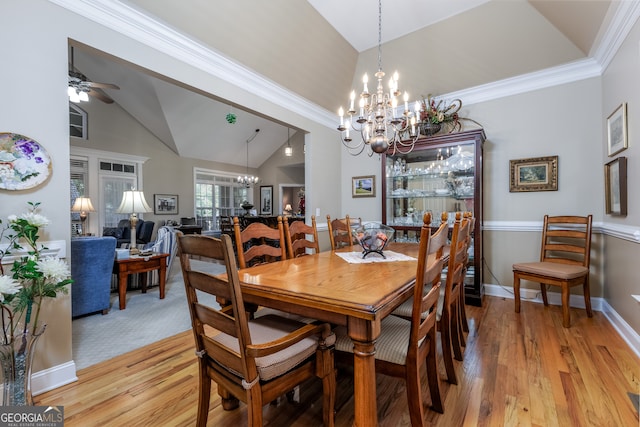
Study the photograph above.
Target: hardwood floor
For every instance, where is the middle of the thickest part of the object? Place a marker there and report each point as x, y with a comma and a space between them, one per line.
518, 369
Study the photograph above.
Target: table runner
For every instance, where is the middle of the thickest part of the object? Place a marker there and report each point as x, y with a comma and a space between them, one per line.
356, 257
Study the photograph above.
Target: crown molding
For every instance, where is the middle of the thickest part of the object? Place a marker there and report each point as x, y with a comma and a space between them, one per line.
133, 23
623, 20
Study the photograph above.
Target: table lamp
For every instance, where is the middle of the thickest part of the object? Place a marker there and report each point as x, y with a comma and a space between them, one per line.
82, 205
288, 209
133, 202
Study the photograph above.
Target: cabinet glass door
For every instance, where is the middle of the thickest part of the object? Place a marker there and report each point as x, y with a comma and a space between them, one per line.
436, 180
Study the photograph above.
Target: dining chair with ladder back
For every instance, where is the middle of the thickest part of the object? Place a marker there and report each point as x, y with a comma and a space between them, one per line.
405, 347
565, 256
447, 306
258, 243
469, 239
340, 234
296, 236
251, 360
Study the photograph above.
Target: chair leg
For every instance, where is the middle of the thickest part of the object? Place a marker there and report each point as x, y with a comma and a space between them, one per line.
456, 331
463, 312
414, 393
587, 297
254, 406
204, 395
462, 316
432, 375
325, 368
445, 339
516, 290
566, 320
543, 291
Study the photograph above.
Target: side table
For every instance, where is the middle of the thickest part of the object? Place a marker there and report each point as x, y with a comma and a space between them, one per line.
139, 264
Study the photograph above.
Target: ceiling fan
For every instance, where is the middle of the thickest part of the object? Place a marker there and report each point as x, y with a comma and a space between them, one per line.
80, 87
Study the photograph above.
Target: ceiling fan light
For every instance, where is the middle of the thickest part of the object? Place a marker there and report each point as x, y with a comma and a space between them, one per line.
74, 97
83, 96
71, 91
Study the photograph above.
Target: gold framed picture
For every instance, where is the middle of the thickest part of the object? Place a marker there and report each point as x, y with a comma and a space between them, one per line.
615, 178
617, 130
533, 174
363, 186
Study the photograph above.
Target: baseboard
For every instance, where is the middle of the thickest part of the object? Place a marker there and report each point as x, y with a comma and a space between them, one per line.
627, 334
598, 304
54, 377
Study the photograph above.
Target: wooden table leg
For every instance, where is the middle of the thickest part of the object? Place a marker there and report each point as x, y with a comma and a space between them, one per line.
364, 372
122, 289
162, 276
143, 282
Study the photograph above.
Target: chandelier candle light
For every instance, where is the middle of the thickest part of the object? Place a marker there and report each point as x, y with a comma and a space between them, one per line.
379, 124
247, 180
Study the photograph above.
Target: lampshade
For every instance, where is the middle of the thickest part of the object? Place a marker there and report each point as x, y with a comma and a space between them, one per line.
288, 207
82, 204
133, 202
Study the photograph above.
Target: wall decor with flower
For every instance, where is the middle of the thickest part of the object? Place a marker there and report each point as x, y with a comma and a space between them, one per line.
441, 115
24, 284
24, 163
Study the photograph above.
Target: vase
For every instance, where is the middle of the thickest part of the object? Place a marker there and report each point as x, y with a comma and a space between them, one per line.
429, 128
16, 359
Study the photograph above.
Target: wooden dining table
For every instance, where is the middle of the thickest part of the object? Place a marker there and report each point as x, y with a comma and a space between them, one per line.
325, 287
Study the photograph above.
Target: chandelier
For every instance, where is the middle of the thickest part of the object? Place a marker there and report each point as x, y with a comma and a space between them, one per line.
377, 121
247, 180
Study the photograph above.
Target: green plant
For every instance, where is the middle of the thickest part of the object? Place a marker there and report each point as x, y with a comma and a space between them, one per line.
33, 275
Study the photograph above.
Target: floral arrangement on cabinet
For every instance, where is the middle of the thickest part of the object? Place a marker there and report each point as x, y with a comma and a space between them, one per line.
32, 276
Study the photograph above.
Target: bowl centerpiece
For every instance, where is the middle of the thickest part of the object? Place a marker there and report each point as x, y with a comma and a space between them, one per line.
373, 238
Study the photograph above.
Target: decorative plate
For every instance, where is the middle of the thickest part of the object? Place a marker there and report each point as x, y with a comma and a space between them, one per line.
24, 163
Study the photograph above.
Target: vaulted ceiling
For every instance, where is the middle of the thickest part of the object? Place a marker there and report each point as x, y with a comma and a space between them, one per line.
320, 48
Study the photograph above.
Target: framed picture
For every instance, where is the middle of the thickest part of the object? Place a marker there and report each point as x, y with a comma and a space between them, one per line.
266, 200
363, 186
165, 204
615, 179
617, 130
534, 174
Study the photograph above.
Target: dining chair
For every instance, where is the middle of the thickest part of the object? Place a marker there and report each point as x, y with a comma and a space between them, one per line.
296, 236
340, 234
463, 311
251, 360
258, 243
404, 346
447, 314
565, 255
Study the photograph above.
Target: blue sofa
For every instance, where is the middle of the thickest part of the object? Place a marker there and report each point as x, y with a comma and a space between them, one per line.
91, 269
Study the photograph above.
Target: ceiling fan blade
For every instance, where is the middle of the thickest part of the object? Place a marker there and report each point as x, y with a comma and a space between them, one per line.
103, 85
101, 96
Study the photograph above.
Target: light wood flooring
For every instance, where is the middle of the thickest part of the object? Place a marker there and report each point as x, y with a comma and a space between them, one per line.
518, 369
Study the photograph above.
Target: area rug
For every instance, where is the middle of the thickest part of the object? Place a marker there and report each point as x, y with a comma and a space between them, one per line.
146, 319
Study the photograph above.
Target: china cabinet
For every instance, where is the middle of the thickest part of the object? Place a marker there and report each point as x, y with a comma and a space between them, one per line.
443, 173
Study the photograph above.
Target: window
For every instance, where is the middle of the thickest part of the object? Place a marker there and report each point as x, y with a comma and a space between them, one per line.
104, 176
77, 121
217, 194
79, 179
